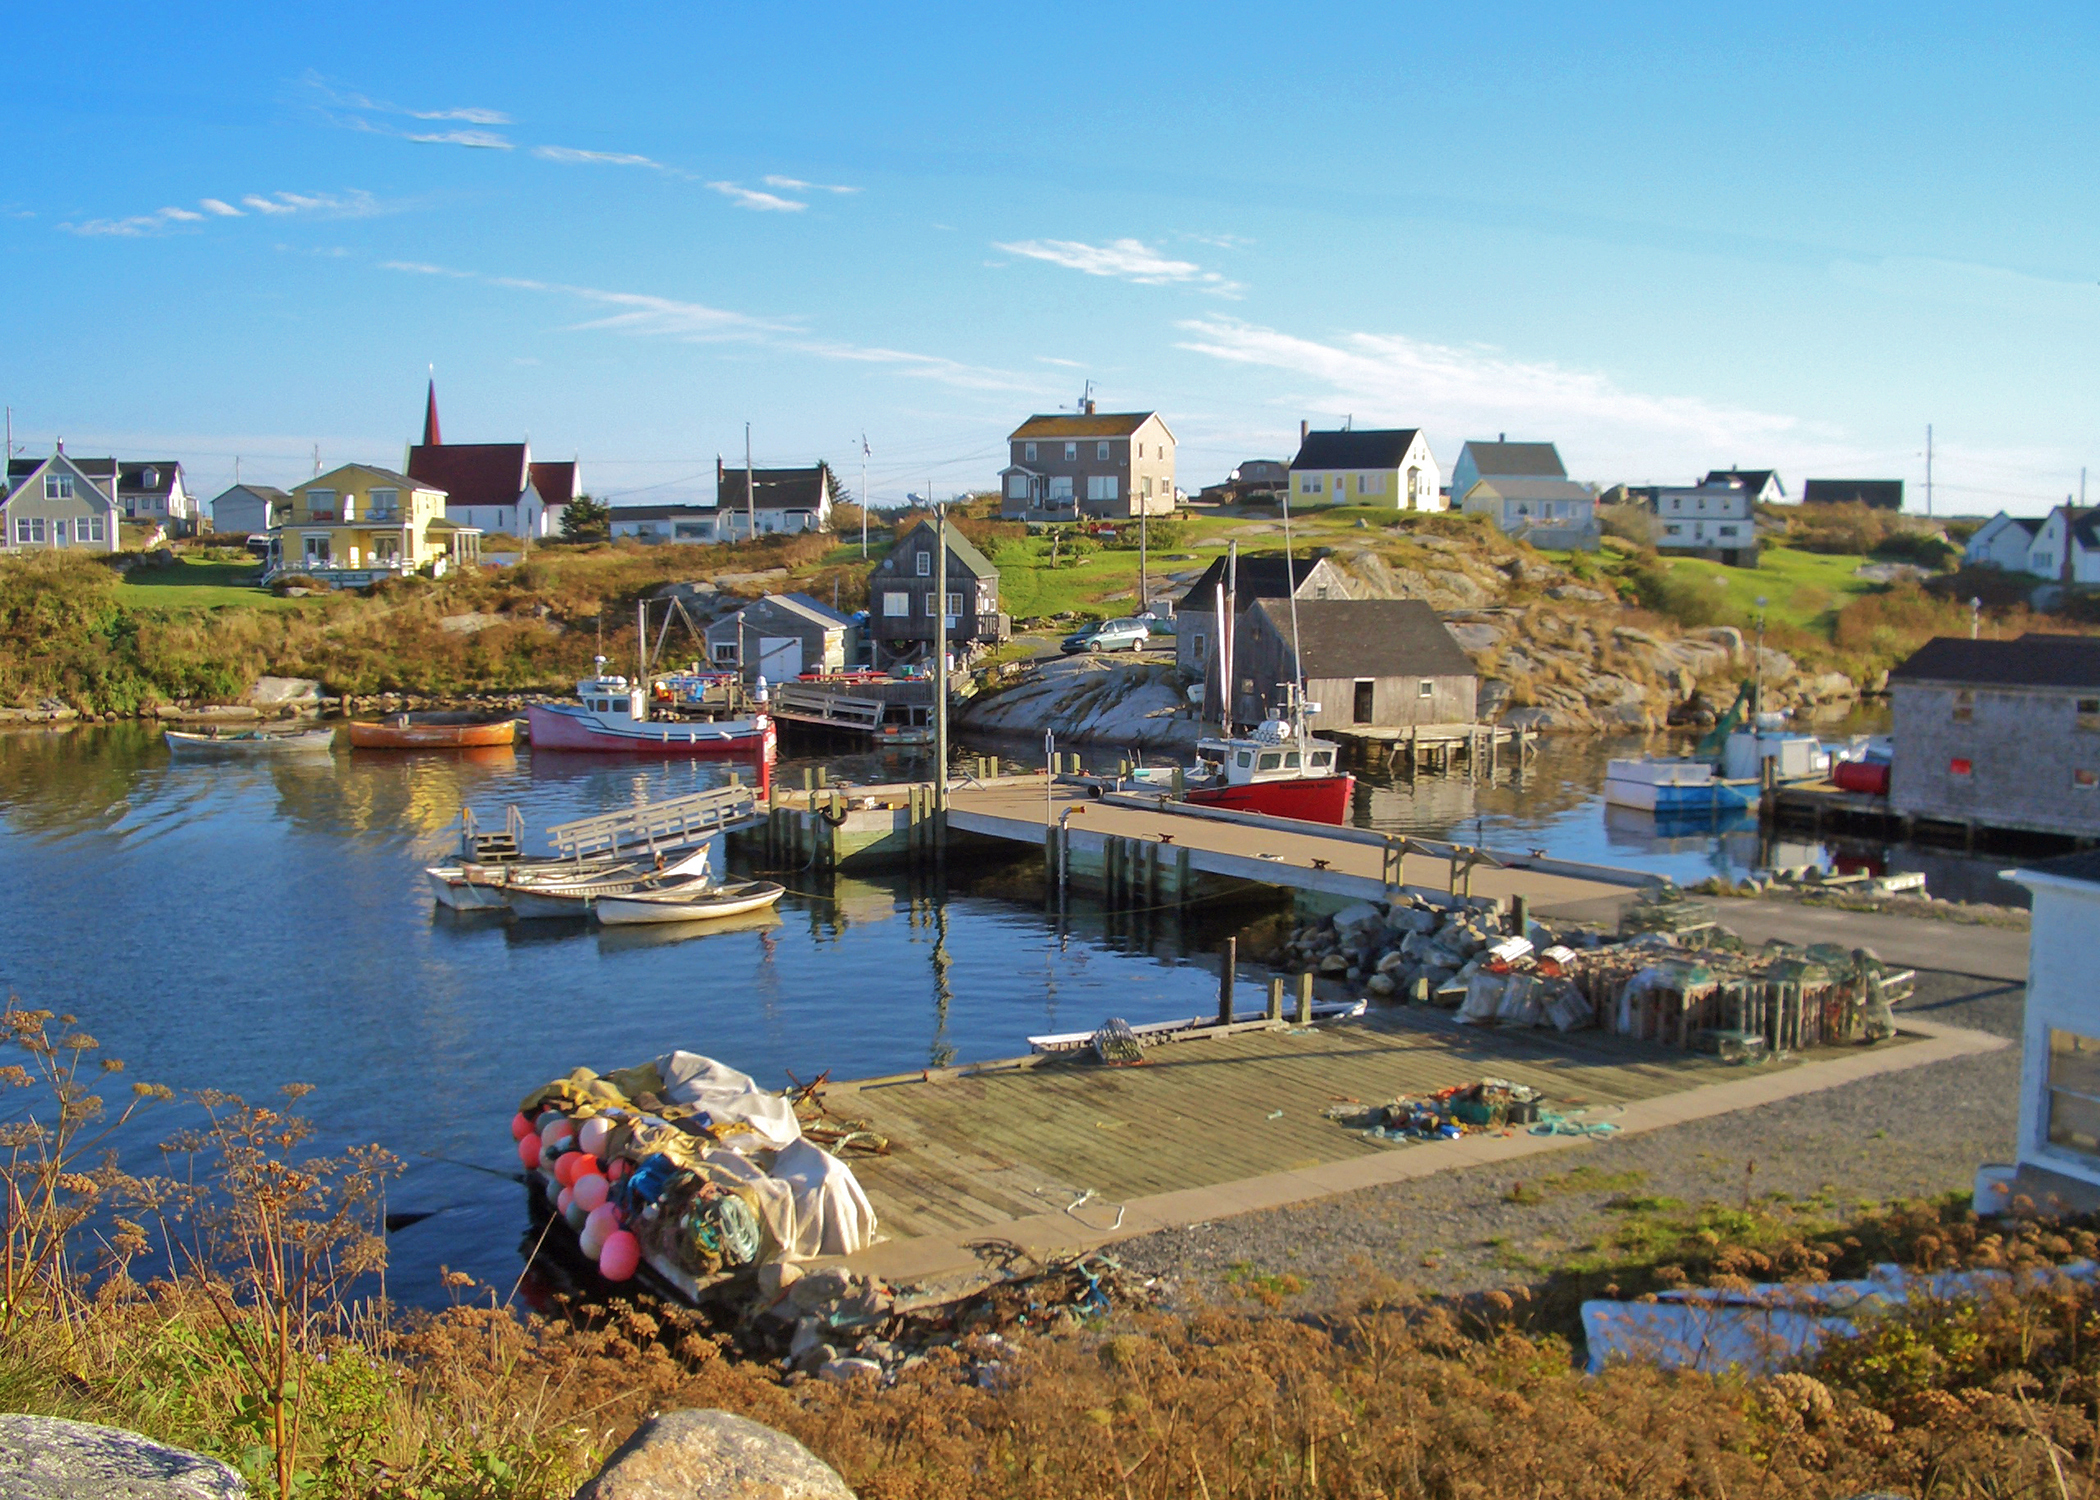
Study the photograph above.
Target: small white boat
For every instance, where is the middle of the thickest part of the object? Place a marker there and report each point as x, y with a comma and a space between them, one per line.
1661, 784
543, 893
470, 885
250, 741
688, 901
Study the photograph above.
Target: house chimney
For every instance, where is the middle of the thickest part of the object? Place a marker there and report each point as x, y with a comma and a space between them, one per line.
1090, 406
1304, 429
1501, 437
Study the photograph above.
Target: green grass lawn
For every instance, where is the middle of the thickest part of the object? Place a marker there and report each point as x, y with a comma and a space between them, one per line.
196, 584
1806, 589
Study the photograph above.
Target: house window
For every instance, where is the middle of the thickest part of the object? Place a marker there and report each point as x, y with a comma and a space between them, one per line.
1148, 486
1363, 710
1964, 708
2074, 1092
1017, 487
1309, 484
1071, 452
1102, 486
1028, 453
1061, 487
58, 486
1101, 452
924, 563
1426, 688
1960, 766
896, 606
725, 653
1414, 486
21, 531
955, 606
2085, 781
1197, 643
93, 531
385, 505
1363, 484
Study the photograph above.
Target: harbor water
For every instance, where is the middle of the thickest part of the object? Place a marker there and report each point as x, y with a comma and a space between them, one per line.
244, 924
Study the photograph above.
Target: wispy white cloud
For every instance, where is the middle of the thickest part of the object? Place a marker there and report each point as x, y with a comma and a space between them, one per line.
477, 140
1051, 359
645, 315
1469, 390
351, 205
1220, 241
320, 88
1125, 260
797, 185
751, 198
602, 158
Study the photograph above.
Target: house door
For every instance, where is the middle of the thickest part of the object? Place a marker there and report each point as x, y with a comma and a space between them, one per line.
58, 533
317, 551
779, 657
1362, 710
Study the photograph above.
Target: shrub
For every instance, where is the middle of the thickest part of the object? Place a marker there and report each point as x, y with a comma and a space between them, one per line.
1684, 596
284, 583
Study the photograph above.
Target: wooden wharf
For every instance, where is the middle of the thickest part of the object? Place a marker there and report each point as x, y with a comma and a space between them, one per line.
996, 1167
826, 708
1408, 749
680, 820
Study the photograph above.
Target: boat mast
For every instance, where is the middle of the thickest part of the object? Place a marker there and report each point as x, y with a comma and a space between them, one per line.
1290, 583
1227, 602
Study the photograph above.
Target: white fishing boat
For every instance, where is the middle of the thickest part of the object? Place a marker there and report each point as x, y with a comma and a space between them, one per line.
473, 885
687, 901
251, 741
1669, 784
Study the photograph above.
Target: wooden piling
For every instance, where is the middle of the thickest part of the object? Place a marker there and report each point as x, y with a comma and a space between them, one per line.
1226, 974
1305, 982
1275, 1011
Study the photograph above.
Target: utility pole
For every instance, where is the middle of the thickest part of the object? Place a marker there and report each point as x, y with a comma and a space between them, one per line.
940, 658
1928, 469
1144, 572
864, 497
750, 492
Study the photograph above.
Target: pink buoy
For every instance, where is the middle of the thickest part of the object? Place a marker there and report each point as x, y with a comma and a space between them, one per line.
557, 1129
592, 1136
564, 1198
565, 1168
618, 1168
620, 1257
520, 1127
590, 1190
529, 1151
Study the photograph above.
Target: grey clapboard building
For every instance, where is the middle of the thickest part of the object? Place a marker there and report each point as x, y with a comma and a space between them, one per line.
901, 619
56, 504
1366, 662
1999, 734
779, 638
1253, 578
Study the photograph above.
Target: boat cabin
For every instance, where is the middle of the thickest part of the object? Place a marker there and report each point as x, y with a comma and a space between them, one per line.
613, 698
1272, 753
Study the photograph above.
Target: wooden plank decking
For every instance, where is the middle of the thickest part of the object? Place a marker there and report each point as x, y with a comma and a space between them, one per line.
974, 1151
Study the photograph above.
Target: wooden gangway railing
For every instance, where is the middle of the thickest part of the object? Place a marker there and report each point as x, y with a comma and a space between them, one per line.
809, 704
681, 820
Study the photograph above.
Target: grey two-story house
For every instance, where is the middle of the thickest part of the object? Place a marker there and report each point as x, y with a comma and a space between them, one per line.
58, 504
901, 618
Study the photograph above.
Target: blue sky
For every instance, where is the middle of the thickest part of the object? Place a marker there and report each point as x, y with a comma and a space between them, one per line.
1667, 238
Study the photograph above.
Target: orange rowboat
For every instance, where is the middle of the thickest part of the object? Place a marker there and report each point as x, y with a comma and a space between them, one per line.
433, 732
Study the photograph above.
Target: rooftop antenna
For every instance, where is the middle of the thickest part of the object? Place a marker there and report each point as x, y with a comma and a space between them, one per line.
1928, 469
750, 491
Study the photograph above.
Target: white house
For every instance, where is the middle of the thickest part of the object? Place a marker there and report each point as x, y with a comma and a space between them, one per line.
1715, 518
778, 500
249, 507
1369, 466
2023, 544
2059, 1124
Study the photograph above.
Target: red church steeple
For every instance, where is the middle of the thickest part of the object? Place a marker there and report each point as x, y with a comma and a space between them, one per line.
430, 417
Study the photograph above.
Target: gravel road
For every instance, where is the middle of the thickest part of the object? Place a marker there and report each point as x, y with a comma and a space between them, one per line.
1881, 1139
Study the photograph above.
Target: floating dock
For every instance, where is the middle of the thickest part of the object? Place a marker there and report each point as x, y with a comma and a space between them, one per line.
1484, 748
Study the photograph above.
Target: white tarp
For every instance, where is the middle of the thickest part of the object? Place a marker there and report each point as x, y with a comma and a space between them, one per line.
810, 1200
702, 1083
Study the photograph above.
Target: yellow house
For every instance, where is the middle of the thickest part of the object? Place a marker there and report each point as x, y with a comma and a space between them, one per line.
366, 519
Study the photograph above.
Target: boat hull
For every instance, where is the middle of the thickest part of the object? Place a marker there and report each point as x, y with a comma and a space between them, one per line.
563, 727
1667, 800
454, 890
310, 741
669, 906
1309, 799
414, 736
